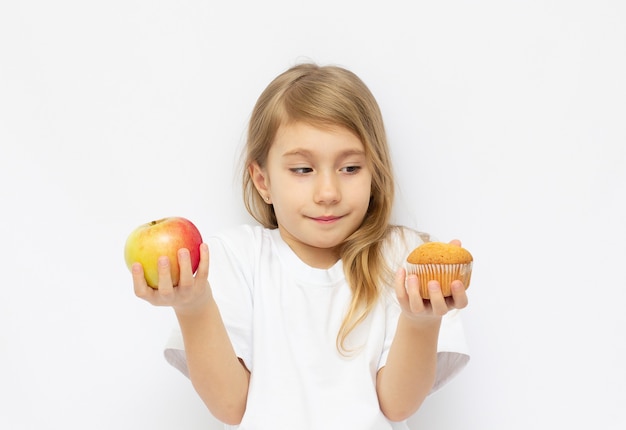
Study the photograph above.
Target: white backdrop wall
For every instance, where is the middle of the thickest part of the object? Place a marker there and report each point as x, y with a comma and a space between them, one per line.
507, 126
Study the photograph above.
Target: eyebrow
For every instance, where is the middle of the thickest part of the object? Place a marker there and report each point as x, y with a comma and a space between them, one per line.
307, 153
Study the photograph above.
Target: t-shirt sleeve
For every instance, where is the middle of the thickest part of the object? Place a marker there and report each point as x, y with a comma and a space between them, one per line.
174, 352
452, 348
229, 277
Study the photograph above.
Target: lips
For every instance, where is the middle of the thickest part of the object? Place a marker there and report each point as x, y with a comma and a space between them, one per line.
326, 219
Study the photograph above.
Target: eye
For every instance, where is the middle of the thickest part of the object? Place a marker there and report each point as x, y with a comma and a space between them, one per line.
300, 170
351, 170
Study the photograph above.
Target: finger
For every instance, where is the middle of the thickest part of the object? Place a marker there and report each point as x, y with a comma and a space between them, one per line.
203, 267
166, 288
399, 285
140, 285
455, 242
437, 301
184, 265
416, 302
459, 295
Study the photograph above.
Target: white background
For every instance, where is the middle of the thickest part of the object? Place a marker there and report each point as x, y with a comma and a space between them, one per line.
507, 124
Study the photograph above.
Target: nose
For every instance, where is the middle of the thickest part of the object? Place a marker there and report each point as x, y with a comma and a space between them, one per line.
327, 189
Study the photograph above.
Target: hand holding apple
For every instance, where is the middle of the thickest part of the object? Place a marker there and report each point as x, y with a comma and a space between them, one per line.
163, 237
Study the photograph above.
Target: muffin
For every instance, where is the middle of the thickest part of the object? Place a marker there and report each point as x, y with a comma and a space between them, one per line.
442, 262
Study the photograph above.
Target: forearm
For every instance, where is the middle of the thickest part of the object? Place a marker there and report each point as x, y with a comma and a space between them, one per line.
409, 373
217, 375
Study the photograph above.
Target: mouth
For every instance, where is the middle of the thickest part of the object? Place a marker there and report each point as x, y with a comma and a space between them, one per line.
327, 219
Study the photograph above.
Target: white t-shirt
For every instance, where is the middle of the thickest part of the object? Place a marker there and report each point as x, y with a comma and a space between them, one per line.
283, 317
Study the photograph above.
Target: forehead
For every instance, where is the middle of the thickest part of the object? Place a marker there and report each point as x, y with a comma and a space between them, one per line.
304, 138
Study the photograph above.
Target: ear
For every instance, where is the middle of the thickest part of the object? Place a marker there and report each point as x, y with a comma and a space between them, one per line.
259, 178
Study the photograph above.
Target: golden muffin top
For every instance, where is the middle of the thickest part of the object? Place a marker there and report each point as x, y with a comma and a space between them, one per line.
439, 253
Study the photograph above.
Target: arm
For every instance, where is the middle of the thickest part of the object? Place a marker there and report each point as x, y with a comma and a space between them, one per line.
409, 373
216, 373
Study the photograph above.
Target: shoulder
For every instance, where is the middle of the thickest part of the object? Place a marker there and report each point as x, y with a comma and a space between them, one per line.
400, 241
242, 242
404, 234
240, 237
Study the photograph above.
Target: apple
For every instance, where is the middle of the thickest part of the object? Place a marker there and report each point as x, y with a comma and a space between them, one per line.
163, 237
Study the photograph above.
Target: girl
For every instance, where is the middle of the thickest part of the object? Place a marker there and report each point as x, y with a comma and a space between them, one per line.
301, 323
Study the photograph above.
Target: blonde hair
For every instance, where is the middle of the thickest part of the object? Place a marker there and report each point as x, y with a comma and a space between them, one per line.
322, 96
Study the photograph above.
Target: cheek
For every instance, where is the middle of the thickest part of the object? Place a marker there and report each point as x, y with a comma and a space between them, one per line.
367, 190
283, 202
362, 198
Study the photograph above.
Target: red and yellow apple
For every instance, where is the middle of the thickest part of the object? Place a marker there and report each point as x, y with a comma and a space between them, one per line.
163, 237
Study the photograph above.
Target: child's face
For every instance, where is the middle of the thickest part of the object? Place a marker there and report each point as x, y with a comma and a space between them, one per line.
319, 182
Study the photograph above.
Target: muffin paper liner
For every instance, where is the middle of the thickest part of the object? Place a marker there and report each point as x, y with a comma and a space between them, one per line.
444, 273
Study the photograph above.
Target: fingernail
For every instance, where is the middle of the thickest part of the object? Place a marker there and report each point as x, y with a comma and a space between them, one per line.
457, 286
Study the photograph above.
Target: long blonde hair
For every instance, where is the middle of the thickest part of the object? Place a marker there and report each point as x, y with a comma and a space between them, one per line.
330, 95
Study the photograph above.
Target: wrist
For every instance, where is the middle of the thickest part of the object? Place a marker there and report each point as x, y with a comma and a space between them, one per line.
420, 322
194, 309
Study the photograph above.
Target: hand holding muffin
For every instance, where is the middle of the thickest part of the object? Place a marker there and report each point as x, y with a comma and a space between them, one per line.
434, 280
443, 262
